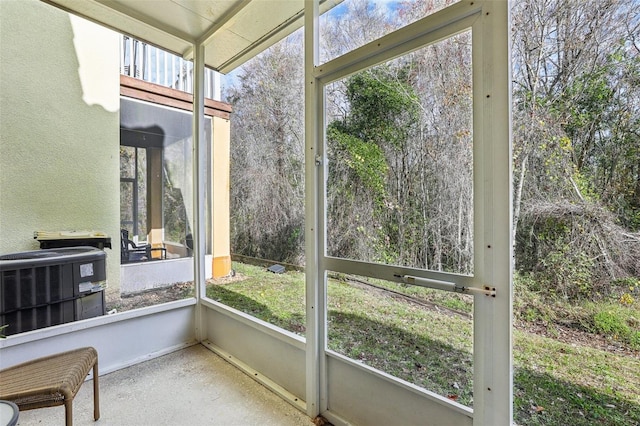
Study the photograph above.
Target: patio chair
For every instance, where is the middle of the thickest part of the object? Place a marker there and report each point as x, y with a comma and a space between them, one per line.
51, 381
132, 252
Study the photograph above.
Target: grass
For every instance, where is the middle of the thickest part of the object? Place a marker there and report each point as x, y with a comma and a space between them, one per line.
418, 345
558, 383
555, 383
616, 317
619, 322
275, 298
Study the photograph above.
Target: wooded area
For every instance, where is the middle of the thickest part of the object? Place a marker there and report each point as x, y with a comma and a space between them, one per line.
399, 145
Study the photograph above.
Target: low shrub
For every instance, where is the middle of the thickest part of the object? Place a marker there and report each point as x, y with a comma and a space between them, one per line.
531, 303
609, 323
616, 318
615, 322
577, 251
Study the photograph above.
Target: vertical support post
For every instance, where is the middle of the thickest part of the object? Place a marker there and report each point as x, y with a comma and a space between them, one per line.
131, 57
156, 79
315, 304
155, 225
216, 90
123, 51
172, 83
166, 68
200, 182
181, 80
493, 266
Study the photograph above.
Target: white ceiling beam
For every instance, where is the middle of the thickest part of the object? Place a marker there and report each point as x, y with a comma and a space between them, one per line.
224, 21
141, 17
282, 30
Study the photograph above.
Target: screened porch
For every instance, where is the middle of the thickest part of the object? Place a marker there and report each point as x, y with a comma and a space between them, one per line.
301, 369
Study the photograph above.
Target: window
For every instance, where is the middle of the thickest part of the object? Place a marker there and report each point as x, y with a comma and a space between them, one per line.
156, 201
133, 190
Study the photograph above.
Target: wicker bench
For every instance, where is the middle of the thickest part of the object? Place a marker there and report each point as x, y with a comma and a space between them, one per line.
52, 380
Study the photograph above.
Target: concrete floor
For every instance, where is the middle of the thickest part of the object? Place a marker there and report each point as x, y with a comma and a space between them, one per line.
191, 387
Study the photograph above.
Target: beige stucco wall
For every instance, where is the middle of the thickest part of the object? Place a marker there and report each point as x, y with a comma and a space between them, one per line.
59, 135
221, 265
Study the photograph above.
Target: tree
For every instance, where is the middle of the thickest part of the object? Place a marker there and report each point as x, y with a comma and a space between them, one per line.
378, 125
410, 195
576, 139
400, 144
267, 155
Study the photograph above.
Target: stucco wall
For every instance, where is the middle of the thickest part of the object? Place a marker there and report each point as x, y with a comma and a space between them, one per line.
221, 207
59, 138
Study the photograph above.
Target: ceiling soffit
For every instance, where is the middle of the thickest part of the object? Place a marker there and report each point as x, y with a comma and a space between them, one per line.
232, 31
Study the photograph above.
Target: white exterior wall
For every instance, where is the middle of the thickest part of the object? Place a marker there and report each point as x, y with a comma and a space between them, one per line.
59, 131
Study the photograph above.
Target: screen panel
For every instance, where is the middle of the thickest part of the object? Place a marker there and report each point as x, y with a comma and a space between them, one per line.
399, 184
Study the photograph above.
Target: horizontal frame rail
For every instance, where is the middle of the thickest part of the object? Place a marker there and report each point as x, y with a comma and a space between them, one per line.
447, 286
392, 272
